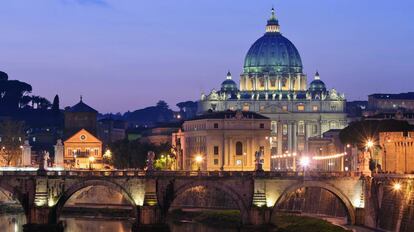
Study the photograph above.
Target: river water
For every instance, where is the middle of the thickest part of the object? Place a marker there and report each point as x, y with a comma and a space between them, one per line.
15, 222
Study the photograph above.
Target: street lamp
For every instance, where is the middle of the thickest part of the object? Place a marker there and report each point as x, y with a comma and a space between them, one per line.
198, 159
91, 160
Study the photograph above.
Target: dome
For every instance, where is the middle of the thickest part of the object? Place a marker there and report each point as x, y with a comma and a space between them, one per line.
228, 85
273, 52
317, 85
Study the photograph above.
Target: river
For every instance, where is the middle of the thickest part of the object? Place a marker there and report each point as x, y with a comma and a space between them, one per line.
15, 222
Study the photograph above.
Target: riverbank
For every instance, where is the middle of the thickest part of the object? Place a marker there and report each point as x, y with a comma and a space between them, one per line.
293, 223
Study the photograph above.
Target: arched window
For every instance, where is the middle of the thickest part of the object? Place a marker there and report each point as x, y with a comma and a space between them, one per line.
239, 148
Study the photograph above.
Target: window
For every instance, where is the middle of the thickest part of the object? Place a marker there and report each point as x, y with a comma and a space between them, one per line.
333, 125
315, 108
301, 128
301, 107
246, 108
261, 125
285, 129
215, 125
216, 150
274, 127
314, 129
262, 108
284, 108
239, 148
216, 162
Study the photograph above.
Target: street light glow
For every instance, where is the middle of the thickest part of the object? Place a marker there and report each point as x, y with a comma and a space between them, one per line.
198, 159
304, 161
91, 158
369, 143
397, 186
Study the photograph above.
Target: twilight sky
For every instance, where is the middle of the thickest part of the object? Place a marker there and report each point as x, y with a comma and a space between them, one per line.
127, 54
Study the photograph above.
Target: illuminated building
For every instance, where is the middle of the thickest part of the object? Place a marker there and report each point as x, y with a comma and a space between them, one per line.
273, 84
83, 151
397, 153
80, 116
223, 141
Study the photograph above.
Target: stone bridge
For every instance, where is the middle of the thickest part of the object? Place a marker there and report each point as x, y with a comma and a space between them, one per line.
257, 194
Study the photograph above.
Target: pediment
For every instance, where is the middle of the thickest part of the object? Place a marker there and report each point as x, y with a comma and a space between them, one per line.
83, 136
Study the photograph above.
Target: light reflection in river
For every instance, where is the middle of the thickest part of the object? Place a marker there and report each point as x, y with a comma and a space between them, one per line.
15, 222
12, 222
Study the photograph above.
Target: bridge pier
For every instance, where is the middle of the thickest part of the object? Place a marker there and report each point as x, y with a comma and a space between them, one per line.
39, 219
259, 216
149, 215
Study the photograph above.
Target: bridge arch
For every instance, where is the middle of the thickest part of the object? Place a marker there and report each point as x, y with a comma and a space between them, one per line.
237, 198
18, 196
349, 208
57, 210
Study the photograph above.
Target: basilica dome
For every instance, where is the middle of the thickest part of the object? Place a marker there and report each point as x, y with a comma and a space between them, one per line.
273, 52
228, 85
317, 85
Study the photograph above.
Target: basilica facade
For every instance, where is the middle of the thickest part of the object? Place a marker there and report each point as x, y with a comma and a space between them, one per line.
273, 84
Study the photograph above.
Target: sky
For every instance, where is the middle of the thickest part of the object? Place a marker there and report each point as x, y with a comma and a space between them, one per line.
124, 55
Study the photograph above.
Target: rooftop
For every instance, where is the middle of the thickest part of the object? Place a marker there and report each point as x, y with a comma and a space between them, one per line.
229, 114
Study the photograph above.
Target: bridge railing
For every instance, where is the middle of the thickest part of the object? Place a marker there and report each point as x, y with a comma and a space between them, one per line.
142, 173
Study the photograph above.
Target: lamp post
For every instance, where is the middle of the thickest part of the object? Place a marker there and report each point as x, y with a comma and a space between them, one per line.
198, 159
91, 160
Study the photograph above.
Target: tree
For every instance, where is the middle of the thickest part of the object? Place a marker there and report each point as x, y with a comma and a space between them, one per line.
55, 105
133, 154
12, 137
162, 105
11, 92
357, 133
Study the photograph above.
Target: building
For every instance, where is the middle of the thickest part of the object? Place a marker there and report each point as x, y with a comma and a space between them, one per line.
273, 84
329, 154
398, 115
397, 153
80, 116
224, 140
111, 130
83, 151
385, 102
160, 134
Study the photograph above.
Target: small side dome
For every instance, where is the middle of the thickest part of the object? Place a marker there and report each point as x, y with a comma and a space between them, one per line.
317, 85
228, 85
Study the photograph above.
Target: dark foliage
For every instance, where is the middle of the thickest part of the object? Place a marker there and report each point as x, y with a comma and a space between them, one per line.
150, 115
358, 132
133, 154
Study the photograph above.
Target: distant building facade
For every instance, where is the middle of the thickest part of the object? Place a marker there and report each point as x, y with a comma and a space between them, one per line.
274, 85
397, 153
83, 151
391, 102
80, 116
160, 134
111, 130
225, 140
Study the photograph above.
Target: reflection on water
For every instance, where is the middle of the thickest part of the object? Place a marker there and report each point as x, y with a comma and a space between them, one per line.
78, 224
15, 222
192, 227
12, 222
